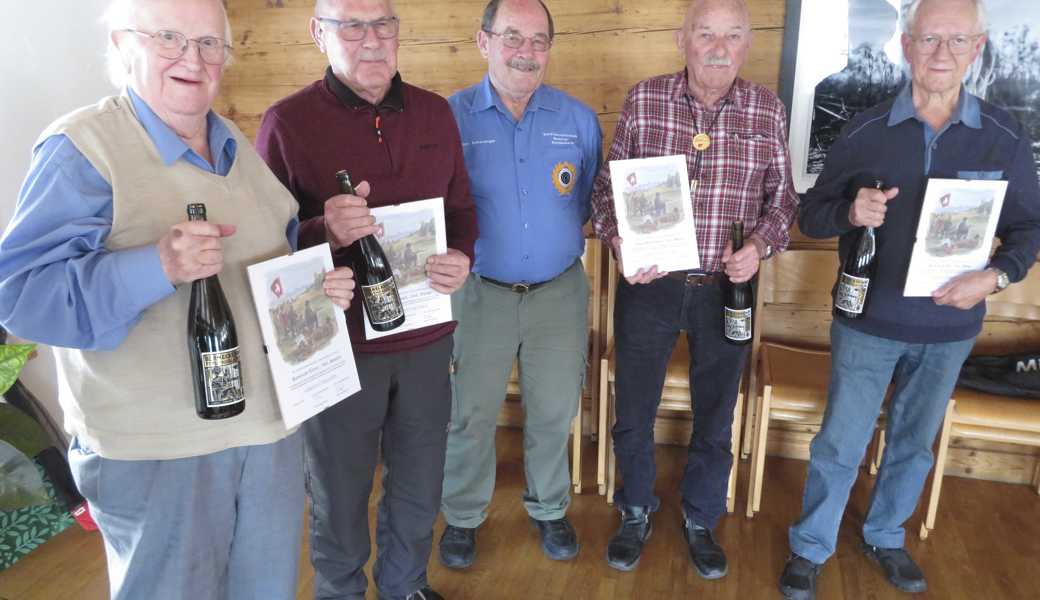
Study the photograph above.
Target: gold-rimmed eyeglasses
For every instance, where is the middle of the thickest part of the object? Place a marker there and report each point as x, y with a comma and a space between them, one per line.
173, 44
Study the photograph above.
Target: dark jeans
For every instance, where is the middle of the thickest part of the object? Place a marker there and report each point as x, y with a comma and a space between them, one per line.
402, 411
647, 321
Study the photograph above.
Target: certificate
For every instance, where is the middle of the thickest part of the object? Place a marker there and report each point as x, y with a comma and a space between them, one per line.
305, 334
955, 232
413, 232
654, 214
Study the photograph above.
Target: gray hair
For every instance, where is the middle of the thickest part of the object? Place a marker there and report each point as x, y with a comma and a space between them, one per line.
122, 14
487, 22
911, 7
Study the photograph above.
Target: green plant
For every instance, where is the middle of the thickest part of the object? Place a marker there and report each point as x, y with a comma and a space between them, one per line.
12, 358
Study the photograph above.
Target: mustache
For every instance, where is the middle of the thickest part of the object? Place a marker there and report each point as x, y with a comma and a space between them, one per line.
717, 61
372, 55
523, 64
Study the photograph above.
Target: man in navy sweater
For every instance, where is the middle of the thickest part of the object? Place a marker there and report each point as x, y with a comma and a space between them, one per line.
932, 129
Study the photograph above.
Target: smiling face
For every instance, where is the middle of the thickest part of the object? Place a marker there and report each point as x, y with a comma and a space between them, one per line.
368, 65
181, 88
939, 70
714, 39
516, 72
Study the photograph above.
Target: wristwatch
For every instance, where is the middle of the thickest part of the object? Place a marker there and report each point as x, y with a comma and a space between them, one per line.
1002, 279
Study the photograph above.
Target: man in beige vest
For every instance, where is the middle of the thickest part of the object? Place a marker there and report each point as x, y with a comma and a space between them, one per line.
98, 262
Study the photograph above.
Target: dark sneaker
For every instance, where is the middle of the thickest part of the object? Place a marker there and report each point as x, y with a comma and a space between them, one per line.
707, 556
798, 581
559, 541
899, 568
626, 546
458, 546
426, 593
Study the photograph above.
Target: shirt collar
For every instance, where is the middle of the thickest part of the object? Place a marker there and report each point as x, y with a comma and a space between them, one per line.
487, 97
394, 99
169, 145
737, 94
968, 111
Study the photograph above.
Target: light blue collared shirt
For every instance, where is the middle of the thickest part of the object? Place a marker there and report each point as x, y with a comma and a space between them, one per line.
59, 285
531, 179
967, 112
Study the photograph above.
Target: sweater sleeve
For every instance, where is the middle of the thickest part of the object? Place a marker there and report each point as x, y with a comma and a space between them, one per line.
824, 211
1019, 224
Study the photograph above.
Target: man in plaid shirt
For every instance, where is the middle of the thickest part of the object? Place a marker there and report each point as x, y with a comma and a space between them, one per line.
742, 175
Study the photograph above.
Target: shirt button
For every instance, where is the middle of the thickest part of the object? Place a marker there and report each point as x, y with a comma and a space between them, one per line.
523, 191
525, 225
522, 159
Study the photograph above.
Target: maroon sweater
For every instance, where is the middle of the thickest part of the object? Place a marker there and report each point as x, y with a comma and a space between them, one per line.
415, 154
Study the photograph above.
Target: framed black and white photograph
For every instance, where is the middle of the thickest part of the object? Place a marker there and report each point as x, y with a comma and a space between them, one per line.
841, 57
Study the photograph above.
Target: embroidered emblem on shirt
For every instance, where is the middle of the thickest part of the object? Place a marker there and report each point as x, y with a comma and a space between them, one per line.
564, 176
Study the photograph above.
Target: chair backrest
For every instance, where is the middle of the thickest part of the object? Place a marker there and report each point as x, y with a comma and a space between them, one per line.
1012, 318
794, 297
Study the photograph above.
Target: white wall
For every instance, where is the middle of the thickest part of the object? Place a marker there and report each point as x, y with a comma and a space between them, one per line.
52, 62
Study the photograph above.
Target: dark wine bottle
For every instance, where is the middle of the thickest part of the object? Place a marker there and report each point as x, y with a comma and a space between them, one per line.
373, 273
857, 272
213, 345
737, 299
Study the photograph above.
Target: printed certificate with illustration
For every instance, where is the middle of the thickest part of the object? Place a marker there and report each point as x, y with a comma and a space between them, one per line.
413, 232
955, 232
305, 334
654, 214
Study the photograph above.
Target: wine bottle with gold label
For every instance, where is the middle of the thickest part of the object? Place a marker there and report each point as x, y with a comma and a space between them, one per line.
375, 277
857, 272
738, 299
213, 345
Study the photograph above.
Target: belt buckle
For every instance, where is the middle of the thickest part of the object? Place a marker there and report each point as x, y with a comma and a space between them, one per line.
698, 279
521, 288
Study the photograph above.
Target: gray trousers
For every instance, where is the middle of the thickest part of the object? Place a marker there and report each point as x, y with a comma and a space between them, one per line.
401, 411
546, 331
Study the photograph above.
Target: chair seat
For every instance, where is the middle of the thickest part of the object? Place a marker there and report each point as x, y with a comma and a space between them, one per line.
988, 410
798, 378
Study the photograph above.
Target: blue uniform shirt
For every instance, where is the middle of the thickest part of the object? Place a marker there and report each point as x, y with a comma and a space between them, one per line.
59, 285
531, 180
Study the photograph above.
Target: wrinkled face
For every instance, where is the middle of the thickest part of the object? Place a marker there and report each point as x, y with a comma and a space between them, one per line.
714, 39
937, 69
182, 87
369, 63
516, 72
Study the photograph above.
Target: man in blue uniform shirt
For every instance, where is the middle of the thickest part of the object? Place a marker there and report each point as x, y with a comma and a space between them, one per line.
532, 153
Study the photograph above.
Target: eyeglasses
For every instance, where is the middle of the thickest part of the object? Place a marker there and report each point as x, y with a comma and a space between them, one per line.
512, 39
173, 44
958, 44
355, 30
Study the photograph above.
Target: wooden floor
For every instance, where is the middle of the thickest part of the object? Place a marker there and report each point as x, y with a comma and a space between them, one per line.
986, 545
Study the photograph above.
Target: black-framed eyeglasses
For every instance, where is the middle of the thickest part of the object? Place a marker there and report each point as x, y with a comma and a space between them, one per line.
958, 44
354, 30
512, 39
173, 44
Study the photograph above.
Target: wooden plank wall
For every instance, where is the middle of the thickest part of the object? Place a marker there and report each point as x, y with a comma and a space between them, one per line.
602, 48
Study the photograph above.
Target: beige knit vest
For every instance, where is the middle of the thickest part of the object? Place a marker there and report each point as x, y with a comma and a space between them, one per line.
136, 402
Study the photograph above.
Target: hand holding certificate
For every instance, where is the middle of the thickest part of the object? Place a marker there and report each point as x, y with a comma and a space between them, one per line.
654, 214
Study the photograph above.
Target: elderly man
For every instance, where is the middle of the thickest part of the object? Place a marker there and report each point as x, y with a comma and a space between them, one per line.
98, 261
933, 128
732, 133
532, 152
402, 143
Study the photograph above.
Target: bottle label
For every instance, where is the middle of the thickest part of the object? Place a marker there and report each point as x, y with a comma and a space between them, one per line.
382, 301
852, 293
222, 373
738, 324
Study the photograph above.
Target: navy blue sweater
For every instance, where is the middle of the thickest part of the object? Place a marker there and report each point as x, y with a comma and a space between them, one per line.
887, 142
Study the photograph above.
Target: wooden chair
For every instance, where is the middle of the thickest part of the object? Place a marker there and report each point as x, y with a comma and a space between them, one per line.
978, 416
675, 397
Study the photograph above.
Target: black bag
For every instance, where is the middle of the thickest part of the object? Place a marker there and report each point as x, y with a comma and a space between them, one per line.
1013, 375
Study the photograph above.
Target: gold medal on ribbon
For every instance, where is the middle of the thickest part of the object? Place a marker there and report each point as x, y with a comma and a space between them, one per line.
701, 142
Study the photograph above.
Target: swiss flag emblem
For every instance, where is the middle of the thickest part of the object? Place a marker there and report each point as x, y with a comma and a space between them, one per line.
632, 179
276, 287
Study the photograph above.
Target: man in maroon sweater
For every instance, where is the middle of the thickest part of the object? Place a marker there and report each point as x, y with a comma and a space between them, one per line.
402, 143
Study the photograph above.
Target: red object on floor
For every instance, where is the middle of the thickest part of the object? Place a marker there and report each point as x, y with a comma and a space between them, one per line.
82, 515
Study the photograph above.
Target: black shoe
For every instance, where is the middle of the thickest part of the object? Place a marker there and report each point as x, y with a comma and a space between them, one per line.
707, 556
899, 568
458, 546
798, 581
426, 593
626, 546
559, 541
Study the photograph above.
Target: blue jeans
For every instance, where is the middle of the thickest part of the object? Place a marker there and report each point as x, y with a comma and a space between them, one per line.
862, 366
647, 321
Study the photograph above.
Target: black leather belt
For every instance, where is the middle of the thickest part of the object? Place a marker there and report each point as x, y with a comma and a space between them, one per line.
695, 279
519, 288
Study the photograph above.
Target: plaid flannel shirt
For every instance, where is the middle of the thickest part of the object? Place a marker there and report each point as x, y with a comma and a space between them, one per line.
744, 175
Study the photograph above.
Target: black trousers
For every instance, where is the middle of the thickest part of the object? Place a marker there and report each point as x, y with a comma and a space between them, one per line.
402, 410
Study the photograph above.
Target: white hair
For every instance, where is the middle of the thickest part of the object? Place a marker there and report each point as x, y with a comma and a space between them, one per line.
122, 14
910, 16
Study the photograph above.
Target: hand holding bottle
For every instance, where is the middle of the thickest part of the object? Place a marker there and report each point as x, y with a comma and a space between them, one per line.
869, 207
193, 250
347, 218
741, 266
